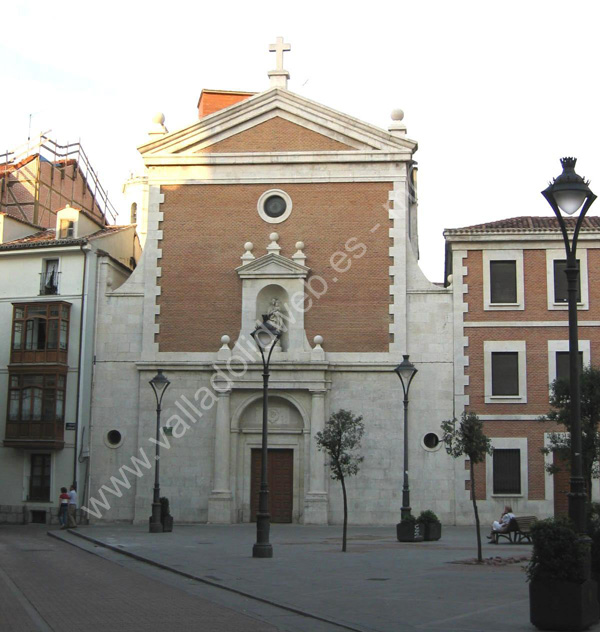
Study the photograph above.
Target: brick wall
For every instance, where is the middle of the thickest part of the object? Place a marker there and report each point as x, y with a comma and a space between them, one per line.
276, 134
205, 228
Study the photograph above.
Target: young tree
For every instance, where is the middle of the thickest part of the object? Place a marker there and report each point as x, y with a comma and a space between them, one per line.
468, 439
560, 442
340, 440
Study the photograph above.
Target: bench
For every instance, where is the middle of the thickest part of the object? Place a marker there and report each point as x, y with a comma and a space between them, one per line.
519, 529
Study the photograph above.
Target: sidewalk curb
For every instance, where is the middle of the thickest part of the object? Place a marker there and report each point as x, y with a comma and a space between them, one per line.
139, 558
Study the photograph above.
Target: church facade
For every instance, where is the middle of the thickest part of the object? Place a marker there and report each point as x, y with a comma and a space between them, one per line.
271, 199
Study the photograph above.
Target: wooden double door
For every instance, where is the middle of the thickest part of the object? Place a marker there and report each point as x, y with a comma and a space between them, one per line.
280, 476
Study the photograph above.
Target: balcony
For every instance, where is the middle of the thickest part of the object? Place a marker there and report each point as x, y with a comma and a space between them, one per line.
35, 435
36, 408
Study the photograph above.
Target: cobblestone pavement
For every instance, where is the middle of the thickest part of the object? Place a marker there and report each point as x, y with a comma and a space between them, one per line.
47, 585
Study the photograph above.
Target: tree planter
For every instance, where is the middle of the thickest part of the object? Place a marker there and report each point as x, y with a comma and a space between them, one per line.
431, 531
559, 605
409, 531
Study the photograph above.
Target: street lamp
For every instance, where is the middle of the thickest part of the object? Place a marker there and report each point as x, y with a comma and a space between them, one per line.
159, 384
569, 193
406, 371
266, 336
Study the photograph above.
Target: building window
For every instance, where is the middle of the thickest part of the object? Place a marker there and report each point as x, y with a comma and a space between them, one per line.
505, 373
556, 280
506, 471
134, 213
39, 327
274, 206
563, 365
39, 480
66, 229
36, 397
561, 294
503, 281
49, 277
558, 359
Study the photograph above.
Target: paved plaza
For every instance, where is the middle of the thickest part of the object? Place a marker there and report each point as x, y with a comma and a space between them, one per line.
379, 585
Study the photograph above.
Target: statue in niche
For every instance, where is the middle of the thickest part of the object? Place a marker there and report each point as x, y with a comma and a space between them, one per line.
275, 315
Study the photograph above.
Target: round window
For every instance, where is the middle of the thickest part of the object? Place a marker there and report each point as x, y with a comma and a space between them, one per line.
114, 438
274, 206
431, 441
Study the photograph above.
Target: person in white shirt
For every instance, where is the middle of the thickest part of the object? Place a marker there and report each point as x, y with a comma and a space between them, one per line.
72, 508
500, 526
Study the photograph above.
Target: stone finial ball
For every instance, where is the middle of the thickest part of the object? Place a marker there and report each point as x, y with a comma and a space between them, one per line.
225, 340
299, 245
159, 118
274, 237
318, 340
397, 114
248, 246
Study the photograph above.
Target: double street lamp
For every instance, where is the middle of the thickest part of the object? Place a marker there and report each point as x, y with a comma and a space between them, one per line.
406, 371
159, 384
266, 336
569, 193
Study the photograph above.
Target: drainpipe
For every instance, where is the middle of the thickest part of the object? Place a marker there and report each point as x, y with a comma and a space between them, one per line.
85, 249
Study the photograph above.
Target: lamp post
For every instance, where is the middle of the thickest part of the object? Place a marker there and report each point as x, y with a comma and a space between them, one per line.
406, 371
159, 384
569, 193
266, 336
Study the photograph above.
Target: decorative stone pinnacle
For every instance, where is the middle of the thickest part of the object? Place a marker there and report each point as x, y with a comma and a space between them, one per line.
299, 255
274, 246
397, 127
247, 257
158, 126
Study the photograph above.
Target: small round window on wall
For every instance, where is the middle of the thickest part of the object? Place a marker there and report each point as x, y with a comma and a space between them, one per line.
113, 438
274, 206
431, 442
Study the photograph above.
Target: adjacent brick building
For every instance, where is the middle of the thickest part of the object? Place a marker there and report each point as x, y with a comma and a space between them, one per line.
511, 342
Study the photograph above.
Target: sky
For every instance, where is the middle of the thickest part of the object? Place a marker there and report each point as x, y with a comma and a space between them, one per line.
495, 93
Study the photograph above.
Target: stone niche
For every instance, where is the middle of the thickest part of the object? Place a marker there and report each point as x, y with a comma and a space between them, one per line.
269, 277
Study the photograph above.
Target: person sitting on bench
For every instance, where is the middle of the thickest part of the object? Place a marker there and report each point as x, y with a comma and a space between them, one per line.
500, 526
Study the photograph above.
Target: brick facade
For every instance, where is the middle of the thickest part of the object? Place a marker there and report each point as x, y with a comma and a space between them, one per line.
206, 226
277, 134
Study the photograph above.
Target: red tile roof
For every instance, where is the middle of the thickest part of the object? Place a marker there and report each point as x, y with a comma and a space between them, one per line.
47, 238
525, 224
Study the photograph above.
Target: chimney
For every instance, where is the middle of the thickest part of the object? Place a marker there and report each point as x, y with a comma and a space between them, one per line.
214, 100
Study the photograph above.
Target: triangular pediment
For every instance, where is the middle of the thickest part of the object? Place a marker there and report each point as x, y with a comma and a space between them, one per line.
274, 121
272, 266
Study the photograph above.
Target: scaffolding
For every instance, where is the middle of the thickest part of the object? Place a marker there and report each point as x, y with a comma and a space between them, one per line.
37, 180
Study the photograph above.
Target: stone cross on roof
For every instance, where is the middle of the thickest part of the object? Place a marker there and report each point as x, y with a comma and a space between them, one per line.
279, 77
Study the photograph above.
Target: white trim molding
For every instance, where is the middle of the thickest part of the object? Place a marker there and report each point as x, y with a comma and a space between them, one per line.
495, 346
503, 255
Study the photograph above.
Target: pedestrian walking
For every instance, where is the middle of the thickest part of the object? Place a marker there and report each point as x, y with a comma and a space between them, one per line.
72, 508
62, 510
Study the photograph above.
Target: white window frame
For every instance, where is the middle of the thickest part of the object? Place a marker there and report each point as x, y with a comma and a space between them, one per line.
502, 255
551, 256
260, 206
493, 346
508, 443
563, 345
